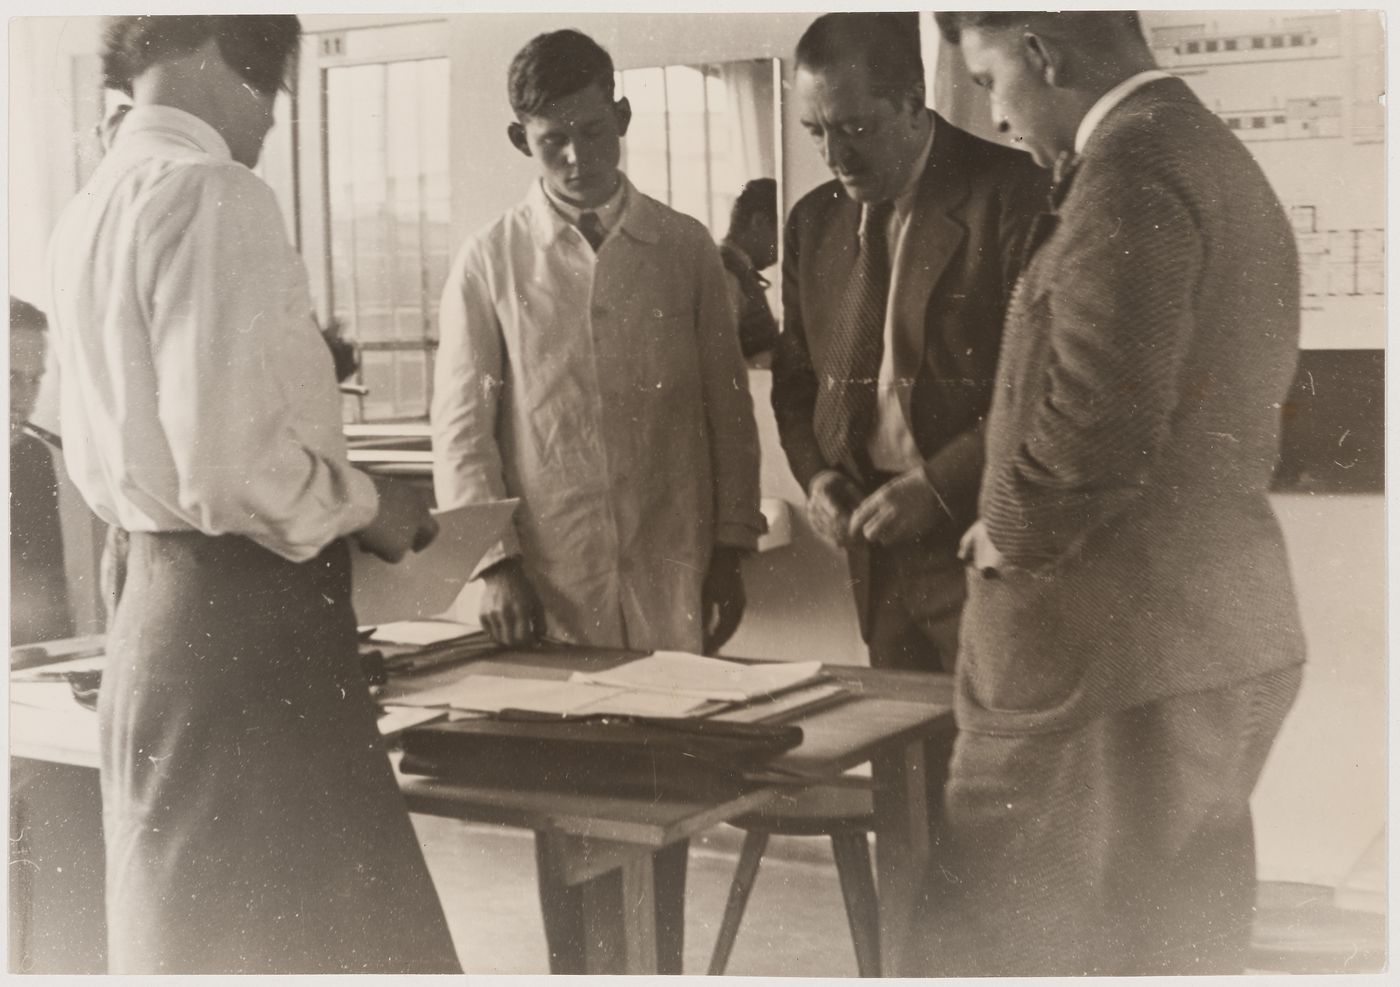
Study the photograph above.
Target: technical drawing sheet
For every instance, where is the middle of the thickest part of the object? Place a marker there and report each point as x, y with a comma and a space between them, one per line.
1304, 90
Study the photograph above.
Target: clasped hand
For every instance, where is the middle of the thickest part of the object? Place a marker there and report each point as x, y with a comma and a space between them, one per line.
904, 508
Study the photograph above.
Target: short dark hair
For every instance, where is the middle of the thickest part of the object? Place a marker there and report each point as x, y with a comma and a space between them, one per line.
1092, 23
886, 43
556, 65
759, 198
259, 47
26, 316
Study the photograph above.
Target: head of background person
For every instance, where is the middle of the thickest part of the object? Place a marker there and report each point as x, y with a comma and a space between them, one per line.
1044, 71
753, 222
566, 118
224, 69
112, 122
28, 337
859, 84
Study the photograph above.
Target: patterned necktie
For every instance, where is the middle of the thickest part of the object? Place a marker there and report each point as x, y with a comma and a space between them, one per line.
592, 229
846, 398
1045, 223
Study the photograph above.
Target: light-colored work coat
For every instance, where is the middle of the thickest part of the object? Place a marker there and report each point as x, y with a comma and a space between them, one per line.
606, 391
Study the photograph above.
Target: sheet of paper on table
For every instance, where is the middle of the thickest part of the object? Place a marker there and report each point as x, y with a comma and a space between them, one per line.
566, 697
394, 720
681, 674
63, 649
421, 632
53, 696
425, 583
60, 669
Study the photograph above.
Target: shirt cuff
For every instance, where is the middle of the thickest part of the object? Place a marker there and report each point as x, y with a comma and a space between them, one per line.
507, 547
364, 501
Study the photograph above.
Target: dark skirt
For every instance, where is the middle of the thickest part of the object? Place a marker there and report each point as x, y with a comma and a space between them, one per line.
252, 820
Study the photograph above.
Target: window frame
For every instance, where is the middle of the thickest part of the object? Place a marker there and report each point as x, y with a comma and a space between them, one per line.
321, 52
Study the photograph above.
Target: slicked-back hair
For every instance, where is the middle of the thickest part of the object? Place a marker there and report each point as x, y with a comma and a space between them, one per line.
259, 47
26, 316
759, 198
554, 65
886, 43
1086, 24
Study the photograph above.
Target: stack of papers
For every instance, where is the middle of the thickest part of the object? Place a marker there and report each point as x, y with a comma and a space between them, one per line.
667, 684
495, 693
681, 674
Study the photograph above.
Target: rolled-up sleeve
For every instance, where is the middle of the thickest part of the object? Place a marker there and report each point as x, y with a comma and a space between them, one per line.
467, 382
221, 332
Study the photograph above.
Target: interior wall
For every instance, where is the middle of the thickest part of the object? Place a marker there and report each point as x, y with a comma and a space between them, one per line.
1323, 795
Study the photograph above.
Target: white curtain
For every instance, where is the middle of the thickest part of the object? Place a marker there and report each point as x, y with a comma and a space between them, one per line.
749, 85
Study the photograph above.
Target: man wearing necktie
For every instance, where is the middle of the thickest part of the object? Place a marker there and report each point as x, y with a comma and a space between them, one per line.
590, 366
896, 276
1131, 643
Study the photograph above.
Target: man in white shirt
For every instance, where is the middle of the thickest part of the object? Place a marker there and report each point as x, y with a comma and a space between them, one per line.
601, 383
252, 823
1131, 643
589, 365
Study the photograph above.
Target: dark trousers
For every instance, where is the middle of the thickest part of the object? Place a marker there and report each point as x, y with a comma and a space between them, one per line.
58, 922
1119, 847
910, 599
252, 820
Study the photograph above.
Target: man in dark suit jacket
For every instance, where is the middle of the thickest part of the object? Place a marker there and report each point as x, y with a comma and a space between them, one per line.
880, 398
1131, 642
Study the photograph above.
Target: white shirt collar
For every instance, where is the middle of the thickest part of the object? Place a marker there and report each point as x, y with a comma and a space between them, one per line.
1111, 99
608, 213
905, 199
178, 123
629, 210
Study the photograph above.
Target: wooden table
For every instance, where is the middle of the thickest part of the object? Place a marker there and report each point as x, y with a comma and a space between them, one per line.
602, 849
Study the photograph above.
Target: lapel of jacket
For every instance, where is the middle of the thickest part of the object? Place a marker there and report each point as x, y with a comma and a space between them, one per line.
934, 234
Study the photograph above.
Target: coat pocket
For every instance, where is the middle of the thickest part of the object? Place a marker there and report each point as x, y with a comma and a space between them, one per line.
1020, 653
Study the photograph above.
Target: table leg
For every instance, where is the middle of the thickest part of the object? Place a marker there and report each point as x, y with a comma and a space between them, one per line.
561, 906
619, 918
625, 915
901, 846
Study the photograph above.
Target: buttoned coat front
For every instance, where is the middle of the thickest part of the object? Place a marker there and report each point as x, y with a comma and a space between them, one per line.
960, 258
609, 394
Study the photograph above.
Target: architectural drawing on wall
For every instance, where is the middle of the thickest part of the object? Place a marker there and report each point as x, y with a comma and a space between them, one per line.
1338, 263
1297, 119
1304, 92
1210, 43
